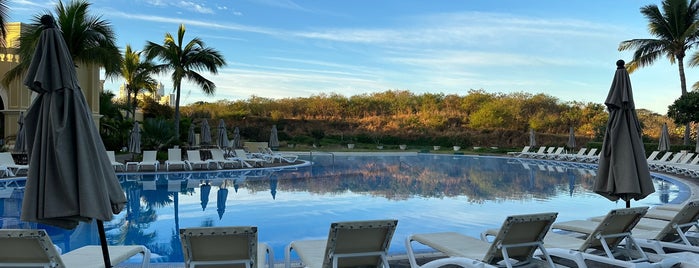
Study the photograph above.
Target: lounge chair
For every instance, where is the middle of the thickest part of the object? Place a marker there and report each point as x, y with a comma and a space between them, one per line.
540, 151
591, 156
554, 154
349, 244
664, 230
514, 243
663, 159
673, 167
115, 164
149, 160
603, 241
220, 160
225, 246
9, 162
248, 161
34, 248
525, 149
289, 158
174, 158
570, 157
194, 160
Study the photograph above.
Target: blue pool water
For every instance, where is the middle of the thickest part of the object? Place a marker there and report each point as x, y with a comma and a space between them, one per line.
425, 193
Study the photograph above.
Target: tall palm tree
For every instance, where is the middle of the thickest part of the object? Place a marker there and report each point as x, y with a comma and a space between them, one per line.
675, 28
90, 39
185, 60
138, 76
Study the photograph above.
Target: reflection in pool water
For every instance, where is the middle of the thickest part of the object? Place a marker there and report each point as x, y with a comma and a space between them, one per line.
425, 192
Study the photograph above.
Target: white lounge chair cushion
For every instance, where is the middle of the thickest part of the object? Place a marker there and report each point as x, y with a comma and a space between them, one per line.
91, 256
310, 251
454, 244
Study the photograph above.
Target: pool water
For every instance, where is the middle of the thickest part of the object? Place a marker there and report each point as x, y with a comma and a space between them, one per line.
424, 192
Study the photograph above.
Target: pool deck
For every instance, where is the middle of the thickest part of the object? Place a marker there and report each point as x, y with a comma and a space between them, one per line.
401, 260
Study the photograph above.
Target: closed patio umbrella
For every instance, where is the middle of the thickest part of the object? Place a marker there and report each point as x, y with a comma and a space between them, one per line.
21, 140
532, 138
135, 139
70, 177
191, 137
696, 148
237, 142
222, 134
221, 196
571, 138
204, 195
664, 142
205, 134
623, 170
274, 138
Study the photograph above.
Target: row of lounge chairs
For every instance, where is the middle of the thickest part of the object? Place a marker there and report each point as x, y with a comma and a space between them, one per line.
628, 237
219, 159
559, 153
680, 163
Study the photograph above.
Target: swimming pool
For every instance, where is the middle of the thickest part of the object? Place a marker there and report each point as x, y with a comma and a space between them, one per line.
424, 192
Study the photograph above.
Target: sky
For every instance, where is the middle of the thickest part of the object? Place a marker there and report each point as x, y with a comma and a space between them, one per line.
296, 48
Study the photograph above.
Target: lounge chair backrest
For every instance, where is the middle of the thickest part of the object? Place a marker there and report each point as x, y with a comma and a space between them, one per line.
111, 156
174, 154
550, 150
541, 150
617, 221
652, 156
240, 153
226, 246
685, 159
217, 154
592, 152
688, 214
353, 237
20, 247
520, 229
6, 159
559, 150
582, 151
193, 155
665, 157
149, 156
676, 157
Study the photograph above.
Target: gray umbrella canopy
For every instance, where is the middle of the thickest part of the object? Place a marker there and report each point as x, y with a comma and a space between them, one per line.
623, 170
191, 137
532, 138
135, 139
205, 134
664, 142
571, 138
274, 138
222, 135
70, 176
21, 140
237, 142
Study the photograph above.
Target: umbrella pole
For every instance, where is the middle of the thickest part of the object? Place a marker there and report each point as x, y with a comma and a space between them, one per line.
628, 203
103, 242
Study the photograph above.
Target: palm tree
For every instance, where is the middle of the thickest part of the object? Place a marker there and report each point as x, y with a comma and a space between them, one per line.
676, 30
3, 20
185, 60
90, 40
138, 76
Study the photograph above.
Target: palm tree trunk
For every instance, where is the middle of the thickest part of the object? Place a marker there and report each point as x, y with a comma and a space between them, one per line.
135, 103
683, 84
177, 111
128, 101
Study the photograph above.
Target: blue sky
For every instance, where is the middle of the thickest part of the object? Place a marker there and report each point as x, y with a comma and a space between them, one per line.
293, 48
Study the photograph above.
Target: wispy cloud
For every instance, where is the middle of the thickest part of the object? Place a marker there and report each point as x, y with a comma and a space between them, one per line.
191, 6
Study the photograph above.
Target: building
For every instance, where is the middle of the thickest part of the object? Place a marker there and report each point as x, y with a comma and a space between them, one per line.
16, 98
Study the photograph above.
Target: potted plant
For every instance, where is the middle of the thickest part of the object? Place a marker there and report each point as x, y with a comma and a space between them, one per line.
350, 142
403, 146
377, 140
